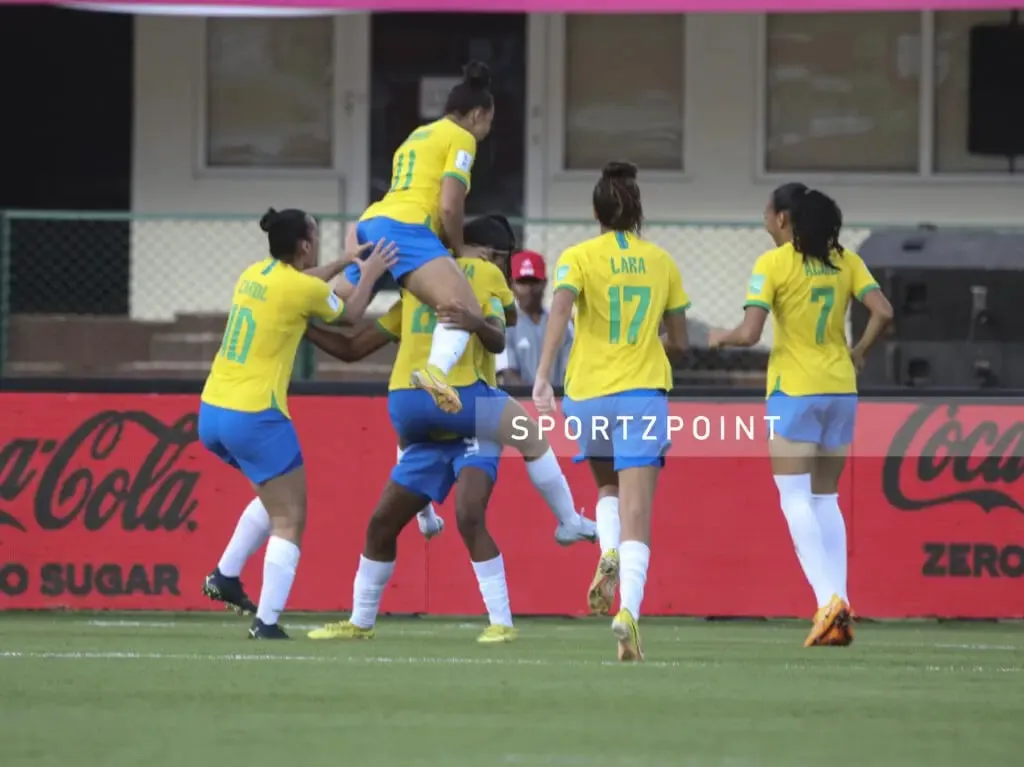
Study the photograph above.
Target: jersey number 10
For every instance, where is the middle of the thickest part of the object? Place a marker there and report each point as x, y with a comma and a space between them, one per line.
827, 298
402, 179
239, 333
617, 296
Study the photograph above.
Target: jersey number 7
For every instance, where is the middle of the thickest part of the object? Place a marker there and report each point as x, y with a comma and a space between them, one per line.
627, 294
827, 298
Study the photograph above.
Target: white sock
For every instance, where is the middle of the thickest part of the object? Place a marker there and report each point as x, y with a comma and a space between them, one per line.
367, 590
490, 575
795, 497
427, 513
279, 564
546, 475
608, 525
634, 557
251, 532
833, 534
447, 346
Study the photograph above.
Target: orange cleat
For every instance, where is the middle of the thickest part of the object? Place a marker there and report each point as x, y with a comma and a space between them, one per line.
835, 612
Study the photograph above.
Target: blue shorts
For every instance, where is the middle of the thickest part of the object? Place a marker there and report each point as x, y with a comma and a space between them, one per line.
416, 418
821, 419
432, 468
629, 428
417, 244
261, 445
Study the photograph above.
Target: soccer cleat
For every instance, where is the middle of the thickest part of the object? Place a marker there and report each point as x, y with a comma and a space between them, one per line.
836, 611
431, 380
261, 630
341, 630
221, 588
601, 596
431, 526
582, 529
495, 634
841, 633
628, 633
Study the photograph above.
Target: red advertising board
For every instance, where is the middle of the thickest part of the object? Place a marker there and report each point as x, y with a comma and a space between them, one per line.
110, 502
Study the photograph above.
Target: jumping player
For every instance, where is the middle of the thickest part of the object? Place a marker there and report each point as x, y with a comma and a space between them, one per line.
430, 181
617, 382
243, 414
806, 283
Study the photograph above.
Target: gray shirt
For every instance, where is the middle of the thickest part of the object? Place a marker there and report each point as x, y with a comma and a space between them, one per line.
522, 350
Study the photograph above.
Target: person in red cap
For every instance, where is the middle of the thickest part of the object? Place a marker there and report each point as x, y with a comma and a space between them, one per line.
517, 365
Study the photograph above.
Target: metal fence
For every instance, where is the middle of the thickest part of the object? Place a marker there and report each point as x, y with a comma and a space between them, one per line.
90, 294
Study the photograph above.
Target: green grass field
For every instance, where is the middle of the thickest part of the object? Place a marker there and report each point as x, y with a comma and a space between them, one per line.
166, 691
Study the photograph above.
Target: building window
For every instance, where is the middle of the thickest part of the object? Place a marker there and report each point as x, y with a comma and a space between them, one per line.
843, 92
624, 91
952, 77
269, 92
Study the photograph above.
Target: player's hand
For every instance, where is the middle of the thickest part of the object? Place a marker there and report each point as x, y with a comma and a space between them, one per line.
354, 253
383, 257
456, 316
857, 356
544, 396
715, 338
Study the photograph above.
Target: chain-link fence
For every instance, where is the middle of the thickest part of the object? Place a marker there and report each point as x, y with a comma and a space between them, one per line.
123, 295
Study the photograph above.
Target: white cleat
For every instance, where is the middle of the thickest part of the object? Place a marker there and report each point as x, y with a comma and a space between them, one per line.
582, 529
430, 526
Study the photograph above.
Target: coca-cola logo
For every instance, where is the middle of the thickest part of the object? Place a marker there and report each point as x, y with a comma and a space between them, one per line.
86, 480
934, 446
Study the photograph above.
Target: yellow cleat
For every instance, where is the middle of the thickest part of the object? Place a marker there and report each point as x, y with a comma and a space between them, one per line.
835, 612
841, 633
431, 380
601, 596
495, 634
341, 630
628, 633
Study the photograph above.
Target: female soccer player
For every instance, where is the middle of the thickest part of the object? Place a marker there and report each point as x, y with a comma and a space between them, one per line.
617, 382
430, 181
806, 283
243, 414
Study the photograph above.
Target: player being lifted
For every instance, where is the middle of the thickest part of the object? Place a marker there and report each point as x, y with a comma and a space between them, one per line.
243, 414
806, 283
430, 181
617, 382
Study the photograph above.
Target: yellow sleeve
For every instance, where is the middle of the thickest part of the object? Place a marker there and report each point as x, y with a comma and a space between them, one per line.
461, 154
322, 302
391, 323
567, 273
498, 286
678, 301
863, 281
494, 308
761, 288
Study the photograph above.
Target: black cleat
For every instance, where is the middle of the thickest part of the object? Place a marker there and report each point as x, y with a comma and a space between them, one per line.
221, 588
261, 630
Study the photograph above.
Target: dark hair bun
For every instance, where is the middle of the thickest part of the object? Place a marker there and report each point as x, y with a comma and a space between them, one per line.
626, 170
477, 75
268, 219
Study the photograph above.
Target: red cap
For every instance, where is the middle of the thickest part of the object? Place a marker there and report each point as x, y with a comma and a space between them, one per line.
527, 265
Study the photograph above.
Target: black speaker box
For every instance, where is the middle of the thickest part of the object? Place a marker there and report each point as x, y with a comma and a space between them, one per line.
950, 365
995, 124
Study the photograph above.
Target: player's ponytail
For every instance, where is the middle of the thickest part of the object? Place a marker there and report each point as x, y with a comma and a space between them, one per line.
816, 221
474, 92
617, 204
285, 230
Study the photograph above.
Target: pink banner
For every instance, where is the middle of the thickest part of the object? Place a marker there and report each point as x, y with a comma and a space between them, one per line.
565, 6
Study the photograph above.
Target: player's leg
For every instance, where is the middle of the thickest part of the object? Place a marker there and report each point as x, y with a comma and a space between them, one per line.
427, 518
797, 432
509, 424
605, 584
476, 476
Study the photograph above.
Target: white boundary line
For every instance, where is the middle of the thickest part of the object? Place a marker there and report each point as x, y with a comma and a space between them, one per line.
457, 661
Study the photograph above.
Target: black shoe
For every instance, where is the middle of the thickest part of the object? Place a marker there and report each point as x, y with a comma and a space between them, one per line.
221, 588
261, 630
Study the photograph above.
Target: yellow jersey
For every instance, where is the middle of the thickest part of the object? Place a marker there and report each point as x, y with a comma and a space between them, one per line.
432, 152
808, 302
272, 304
624, 286
412, 322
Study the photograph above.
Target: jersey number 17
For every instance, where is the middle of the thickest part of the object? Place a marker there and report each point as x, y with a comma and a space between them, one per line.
628, 294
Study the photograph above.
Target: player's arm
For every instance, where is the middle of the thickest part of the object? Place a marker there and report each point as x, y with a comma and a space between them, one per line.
867, 291
490, 328
455, 186
676, 339
568, 285
365, 341
760, 295
353, 251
